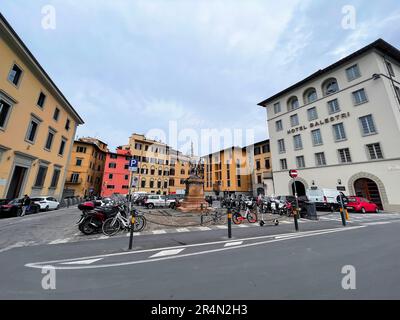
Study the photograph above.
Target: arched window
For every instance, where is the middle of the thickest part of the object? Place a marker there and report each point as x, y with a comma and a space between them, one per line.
144, 170
293, 103
152, 171
143, 184
165, 184
183, 171
159, 184
160, 171
152, 183
310, 95
330, 86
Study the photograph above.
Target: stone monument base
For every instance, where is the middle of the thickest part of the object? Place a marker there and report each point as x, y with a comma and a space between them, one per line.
194, 199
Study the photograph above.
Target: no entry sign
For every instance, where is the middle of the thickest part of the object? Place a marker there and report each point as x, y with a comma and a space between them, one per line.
293, 174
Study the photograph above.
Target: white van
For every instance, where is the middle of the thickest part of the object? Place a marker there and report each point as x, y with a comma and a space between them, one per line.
324, 198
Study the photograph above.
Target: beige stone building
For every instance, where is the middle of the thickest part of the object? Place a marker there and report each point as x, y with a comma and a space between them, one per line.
37, 123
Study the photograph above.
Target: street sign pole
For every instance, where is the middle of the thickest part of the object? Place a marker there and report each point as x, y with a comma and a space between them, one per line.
342, 212
133, 166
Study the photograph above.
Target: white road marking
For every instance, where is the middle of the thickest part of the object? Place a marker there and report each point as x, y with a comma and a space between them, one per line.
242, 226
203, 228
183, 230
232, 244
104, 237
377, 223
59, 241
222, 227
39, 265
165, 253
159, 231
85, 262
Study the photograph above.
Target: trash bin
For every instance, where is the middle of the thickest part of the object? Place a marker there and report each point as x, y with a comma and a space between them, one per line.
311, 210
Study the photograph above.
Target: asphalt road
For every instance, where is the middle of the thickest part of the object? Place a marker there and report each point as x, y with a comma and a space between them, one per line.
259, 263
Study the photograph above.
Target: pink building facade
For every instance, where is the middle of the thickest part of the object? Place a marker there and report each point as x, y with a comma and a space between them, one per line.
116, 173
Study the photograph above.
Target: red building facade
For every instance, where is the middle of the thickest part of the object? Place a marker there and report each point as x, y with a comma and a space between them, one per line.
116, 173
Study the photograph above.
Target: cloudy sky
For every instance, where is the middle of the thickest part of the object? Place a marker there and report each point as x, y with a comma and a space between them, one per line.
136, 65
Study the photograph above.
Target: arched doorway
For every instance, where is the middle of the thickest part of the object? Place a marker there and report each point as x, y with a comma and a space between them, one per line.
301, 189
261, 191
368, 189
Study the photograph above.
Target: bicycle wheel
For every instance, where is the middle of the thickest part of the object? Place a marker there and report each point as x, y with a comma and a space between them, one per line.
111, 227
236, 218
140, 223
252, 217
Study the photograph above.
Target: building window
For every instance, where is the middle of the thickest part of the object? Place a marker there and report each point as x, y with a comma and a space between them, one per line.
113, 156
152, 184
330, 87
367, 125
359, 97
259, 179
126, 177
281, 146
320, 159
310, 96
56, 114
32, 130
15, 75
41, 176
110, 176
344, 155
353, 73
300, 162
56, 178
67, 124
279, 125
62, 147
277, 107
258, 165
293, 103
49, 141
75, 178
316, 137
298, 144
160, 172
125, 187
374, 151
143, 184
267, 164
138, 146
110, 187
41, 100
283, 164
333, 106
312, 114
112, 165
390, 69
257, 151
4, 113
266, 148
165, 184
81, 149
339, 132
294, 120
78, 162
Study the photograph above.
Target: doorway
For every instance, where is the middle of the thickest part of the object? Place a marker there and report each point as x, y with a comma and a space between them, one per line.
368, 189
301, 189
17, 180
261, 191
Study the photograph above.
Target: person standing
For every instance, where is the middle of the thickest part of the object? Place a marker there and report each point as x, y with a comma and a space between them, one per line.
26, 203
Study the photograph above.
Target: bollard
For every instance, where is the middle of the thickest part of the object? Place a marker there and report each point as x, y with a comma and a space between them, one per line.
131, 231
342, 215
229, 223
296, 222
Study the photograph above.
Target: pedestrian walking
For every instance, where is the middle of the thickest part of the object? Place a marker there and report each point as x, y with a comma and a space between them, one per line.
26, 203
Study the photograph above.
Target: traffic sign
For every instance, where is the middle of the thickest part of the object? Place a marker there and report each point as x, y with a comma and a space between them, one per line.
293, 174
133, 165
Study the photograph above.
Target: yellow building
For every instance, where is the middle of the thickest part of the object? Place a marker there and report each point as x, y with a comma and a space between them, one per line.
227, 172
86, 168
37, 123
162, 170
261, 170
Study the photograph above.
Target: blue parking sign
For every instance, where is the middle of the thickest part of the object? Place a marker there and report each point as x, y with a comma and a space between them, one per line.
133, 165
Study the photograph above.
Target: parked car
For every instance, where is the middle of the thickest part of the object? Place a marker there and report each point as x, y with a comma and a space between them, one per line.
358, 204
324, 198
47, 203
140, 200
158, 201
13, 208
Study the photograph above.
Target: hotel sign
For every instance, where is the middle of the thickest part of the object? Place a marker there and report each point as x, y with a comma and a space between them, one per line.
315, 124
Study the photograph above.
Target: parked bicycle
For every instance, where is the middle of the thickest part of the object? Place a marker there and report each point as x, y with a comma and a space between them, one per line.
120, 222
250, 216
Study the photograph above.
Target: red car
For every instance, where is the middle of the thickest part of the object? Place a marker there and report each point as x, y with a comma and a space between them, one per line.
363, 205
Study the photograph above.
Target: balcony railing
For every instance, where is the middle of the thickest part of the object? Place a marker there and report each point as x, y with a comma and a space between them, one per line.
74, 181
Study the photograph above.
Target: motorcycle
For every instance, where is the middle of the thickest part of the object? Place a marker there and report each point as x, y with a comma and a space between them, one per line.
92, 218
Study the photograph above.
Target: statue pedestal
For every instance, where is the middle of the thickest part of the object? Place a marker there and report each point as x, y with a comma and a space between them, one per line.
194, 196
